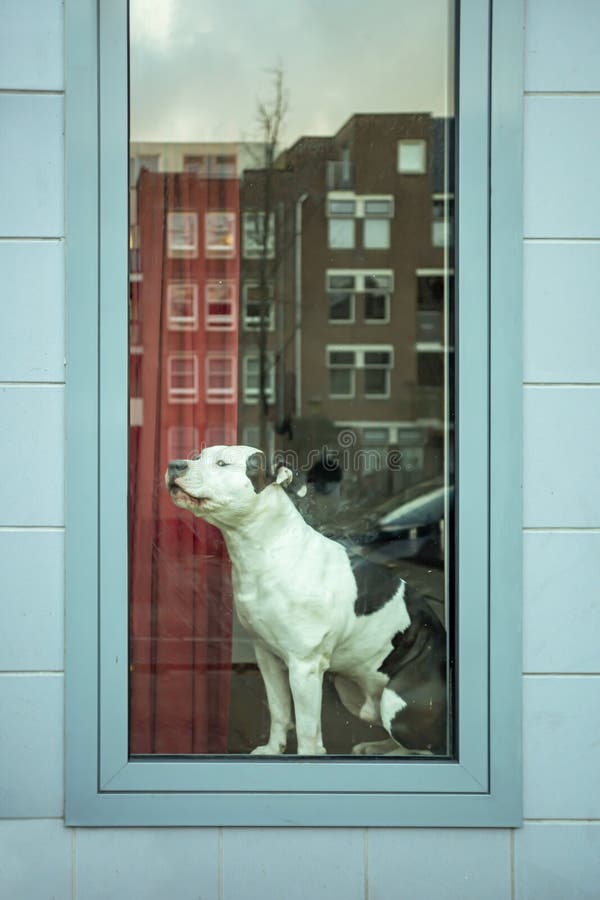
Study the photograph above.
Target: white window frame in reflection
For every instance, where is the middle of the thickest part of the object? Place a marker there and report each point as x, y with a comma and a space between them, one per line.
376, 234
219, 234
360, 352
176, 321
177, 393
220, 321
253, 225
412, 156
252, 389
359, 293
182, 441
252, 323
182, 234
341, 234
228, 393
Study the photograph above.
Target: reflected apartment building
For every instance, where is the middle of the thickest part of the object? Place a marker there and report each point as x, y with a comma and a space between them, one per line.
300, 308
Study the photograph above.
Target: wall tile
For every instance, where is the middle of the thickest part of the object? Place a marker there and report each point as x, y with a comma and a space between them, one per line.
31, 166
31, 746
562, 457
32, 275
153, 863
561, 736
31, 455
453, 864
31, 44
562, 176
32, 607
562, 51
35, 860
561, 312
293, 863
557, 862
561, 615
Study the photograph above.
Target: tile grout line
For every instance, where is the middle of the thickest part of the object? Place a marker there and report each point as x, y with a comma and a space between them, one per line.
19, 529
531, 239
43, 92
73, 875
527, 93
512, 864
31, 238
220, 865
560, 529
366, 862
561, 384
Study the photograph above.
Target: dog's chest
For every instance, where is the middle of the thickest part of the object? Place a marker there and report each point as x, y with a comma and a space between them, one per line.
289, 619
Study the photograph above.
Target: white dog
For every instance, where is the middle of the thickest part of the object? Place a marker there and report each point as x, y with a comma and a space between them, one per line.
310, 606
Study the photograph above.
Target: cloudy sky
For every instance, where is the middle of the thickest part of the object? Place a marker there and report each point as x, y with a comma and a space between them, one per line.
198, 67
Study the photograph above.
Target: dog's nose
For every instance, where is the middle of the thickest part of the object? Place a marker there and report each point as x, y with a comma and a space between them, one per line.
176, 468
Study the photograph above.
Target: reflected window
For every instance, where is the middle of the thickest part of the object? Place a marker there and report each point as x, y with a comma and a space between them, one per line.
182, 305
257, 243
340, 234
252, 378
182, 234
220, 378
412, 157
219, 239
182, 371
220, 307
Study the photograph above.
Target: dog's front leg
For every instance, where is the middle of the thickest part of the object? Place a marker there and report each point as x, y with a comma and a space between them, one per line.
279, 699
306, 682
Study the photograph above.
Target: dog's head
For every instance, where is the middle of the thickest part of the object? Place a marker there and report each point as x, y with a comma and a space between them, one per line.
222, 483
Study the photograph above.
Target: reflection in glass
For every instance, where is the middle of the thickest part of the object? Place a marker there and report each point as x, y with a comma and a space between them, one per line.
293, 293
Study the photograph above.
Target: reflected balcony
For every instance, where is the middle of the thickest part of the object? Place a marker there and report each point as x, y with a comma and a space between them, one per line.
339, 176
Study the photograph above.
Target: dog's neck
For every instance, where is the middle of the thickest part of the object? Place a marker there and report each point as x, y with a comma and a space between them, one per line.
273, 520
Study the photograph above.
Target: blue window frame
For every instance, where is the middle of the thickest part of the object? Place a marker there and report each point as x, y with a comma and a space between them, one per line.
482, 786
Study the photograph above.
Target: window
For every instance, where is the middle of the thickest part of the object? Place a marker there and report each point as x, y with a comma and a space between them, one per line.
219, 434
182, 369
376, 234
182, 305
220, 305
252, 377
183, 442
210, 166
412, 157
340, 234
376, 225
341, 297
442, 216
359, 296
337, 206
182, 234
375, 362
220, 378
155, 669
257, 243
256, 307
435, 289
219, 236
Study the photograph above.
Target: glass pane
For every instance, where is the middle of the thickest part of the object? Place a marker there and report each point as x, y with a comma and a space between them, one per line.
291, 431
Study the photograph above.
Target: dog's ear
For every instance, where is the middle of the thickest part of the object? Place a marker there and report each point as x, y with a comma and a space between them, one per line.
257, 471
285, 477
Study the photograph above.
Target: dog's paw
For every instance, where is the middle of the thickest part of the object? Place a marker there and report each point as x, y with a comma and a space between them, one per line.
374, 748
268, 750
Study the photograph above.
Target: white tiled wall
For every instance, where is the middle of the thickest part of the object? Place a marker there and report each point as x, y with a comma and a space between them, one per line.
557, 854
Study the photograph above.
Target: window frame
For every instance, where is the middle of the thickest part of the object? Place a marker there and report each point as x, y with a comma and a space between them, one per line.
482, 787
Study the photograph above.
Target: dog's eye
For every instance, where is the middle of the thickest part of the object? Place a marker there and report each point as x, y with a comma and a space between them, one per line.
221, 462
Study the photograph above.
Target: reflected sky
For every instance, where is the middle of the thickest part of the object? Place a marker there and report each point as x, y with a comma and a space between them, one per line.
199, 66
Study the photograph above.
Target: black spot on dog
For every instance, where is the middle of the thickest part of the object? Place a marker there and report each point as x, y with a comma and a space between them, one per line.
376, 584
257, 471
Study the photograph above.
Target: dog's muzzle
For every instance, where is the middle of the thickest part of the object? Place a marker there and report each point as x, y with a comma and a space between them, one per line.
176, 469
